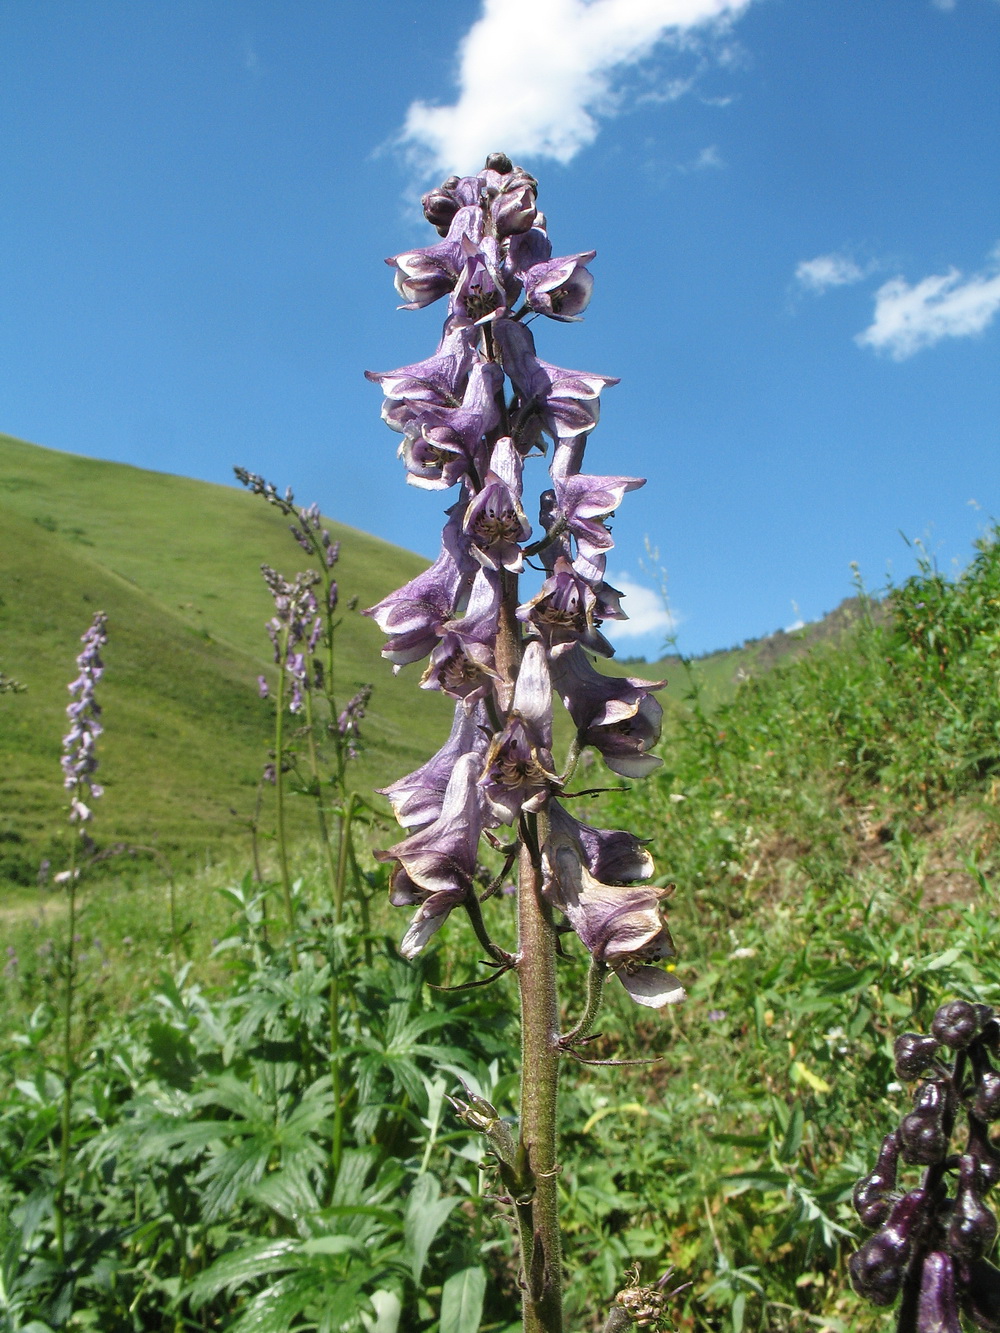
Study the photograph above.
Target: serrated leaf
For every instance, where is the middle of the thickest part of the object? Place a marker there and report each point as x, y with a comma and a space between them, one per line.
462, 1301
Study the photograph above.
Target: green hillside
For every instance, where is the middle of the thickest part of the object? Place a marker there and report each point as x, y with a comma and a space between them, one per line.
175, 564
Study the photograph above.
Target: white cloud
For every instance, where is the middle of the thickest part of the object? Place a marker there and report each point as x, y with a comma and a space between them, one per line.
825, 271
709, 157
580, 45
645, 609
908, 319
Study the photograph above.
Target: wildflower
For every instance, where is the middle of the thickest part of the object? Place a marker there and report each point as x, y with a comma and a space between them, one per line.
79, 758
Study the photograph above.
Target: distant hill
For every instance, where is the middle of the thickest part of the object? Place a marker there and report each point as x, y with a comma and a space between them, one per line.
175, 564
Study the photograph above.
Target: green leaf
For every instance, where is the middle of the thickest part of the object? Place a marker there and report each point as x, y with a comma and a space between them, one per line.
388, 1309
462, 1301
792, 1141
765, 1181
426, 1213
332, 1245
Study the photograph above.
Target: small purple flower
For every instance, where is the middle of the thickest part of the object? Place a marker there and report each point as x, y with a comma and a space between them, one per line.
518, 771
581, 504
494, 521
616, 715
565, 611
417, 798
437, 382
435, 866
560, 288
619, 925
463, 662
262, 687
441, 445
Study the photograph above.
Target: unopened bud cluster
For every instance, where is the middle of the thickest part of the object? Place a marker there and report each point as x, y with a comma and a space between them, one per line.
932, 1243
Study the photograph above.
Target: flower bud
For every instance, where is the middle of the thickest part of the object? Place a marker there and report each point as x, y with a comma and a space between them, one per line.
923, 1131
990, 1035
499, 162
973, 1228
873, 1197
441, 204
986, 1102
981, 1295
914, 1054
878, 1268
957, 1023
985, 1153
937, 1311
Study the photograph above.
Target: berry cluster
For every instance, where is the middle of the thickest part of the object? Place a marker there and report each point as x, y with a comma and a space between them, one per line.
931, 1243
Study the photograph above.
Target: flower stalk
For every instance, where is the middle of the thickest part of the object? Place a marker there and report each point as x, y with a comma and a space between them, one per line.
471, 417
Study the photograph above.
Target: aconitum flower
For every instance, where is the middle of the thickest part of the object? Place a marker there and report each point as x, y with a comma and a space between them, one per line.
79, 758
473, 416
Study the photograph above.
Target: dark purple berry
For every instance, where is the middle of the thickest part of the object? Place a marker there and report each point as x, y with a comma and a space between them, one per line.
957, 1023
873, 1195
986, 1102
937, 1311
973, 1228
986, 1153
990, 1035
924, 1131
914, 1053
878, 1268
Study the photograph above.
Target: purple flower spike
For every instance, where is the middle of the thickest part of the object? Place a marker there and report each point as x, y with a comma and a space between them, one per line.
560, 288
79, 757
435, 866
617, 716
494, 521
518, 772
620, 926
937, 1309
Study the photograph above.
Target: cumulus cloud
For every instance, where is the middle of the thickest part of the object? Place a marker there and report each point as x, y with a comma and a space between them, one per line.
907, 319
646, 611
826, 271
581, 46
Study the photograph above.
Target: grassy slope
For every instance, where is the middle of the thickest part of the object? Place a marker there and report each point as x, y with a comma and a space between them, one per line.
175, 564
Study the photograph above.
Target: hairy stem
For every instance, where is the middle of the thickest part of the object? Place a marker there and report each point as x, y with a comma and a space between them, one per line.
536, 971
279, 791
69, 996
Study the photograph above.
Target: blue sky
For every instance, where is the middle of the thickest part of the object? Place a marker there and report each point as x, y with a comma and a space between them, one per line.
794, 203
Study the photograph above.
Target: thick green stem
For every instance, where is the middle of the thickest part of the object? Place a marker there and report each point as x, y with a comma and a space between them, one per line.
536, 971
339, 884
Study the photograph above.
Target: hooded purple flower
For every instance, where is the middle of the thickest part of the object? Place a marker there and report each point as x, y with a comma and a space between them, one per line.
581, 504
435, 866
463, 663
413, 616
616, 715
481, 294
518, 770
79, 758
566, 611
437, 382
560, 288
417, 798
494, 521
563, 403
620, 926
425, 275
442, 444
611, 855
